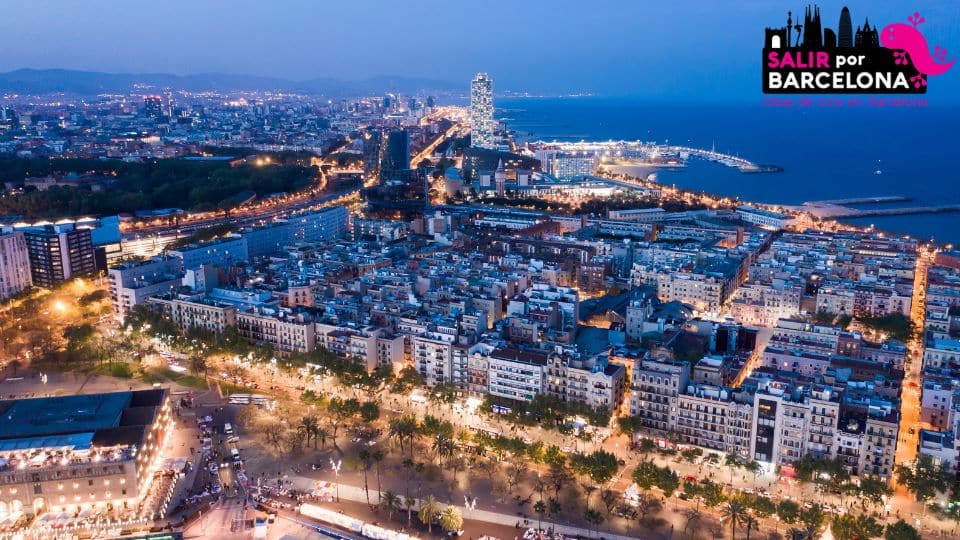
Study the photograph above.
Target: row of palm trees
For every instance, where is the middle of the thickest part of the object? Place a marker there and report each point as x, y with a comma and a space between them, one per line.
312, 430
429, 511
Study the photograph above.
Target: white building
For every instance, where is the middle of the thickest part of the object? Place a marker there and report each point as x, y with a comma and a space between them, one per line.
433, 357
481, 111
516, 374
14, 264
765, 218
130, 284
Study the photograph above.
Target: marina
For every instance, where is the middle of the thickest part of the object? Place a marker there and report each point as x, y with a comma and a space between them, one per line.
651, 154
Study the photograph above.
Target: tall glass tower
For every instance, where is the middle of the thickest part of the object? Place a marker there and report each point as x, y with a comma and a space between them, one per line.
845, 36
481, 111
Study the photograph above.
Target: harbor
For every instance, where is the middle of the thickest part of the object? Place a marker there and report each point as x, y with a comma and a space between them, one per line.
651, 154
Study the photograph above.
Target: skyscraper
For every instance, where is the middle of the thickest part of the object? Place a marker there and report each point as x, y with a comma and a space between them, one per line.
153, 106
372, 145
396, 154
845, 34
59, 252
481, 111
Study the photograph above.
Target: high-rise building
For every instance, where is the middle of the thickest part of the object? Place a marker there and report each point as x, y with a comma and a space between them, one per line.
845, 33
372, 144
58, 253
153, 106
396, 154
481, 111
14, 264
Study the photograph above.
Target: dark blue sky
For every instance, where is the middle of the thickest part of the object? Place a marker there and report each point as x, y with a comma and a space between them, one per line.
675, 49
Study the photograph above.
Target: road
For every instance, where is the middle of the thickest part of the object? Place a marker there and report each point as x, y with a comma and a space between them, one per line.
266, 210
910, 425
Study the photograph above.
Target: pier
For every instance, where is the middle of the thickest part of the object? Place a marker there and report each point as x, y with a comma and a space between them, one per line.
838, 209
861, 200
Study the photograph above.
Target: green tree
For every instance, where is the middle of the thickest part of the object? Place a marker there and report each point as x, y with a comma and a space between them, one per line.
789, 511
712, 494
450, 519
646, 474
369, 411
923, 478
736, 513
390, 503
409, 503
763, 506
860, 527
377, 457
901, 530
668, 481
540, 508
429, 512
364, 456
813, 517
593, 517
875, 490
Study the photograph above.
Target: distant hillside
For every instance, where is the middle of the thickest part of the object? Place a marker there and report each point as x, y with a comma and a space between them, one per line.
43, 81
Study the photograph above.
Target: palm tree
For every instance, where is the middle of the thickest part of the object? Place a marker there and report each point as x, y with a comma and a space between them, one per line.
593, 517
390, 503
540, 508
429, 510
450, 519
364, 456
409, 502
751, 524
377, 458
736, 513
395, 431
308, 427
408, 466
320, 433
442, 445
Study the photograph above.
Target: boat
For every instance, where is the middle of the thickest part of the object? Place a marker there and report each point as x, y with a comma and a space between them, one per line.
878, 171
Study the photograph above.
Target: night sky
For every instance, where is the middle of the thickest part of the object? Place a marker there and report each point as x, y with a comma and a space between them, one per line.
678, 49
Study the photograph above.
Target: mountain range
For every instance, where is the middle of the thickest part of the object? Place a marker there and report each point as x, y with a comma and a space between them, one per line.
44, 81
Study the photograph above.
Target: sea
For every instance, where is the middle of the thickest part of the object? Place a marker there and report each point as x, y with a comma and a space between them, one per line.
826, 153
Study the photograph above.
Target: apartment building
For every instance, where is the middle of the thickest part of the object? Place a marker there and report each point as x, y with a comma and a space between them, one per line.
716, 418
516, 374
14, 264
284, 331
654, 392
130, 284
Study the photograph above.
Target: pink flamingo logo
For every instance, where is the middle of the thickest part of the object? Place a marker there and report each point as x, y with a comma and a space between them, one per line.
906, 37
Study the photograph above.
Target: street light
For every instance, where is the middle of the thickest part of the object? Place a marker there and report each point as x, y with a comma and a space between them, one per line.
336, 471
